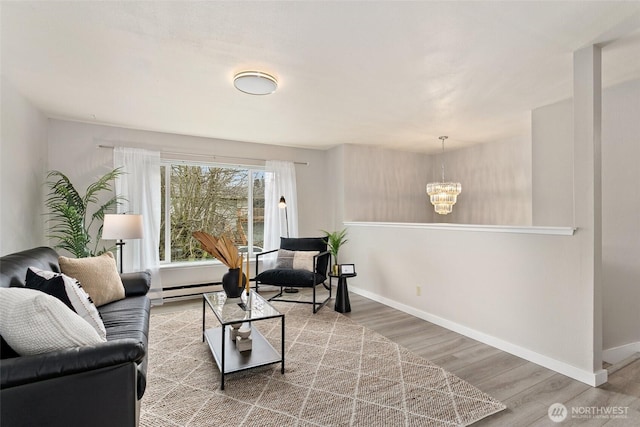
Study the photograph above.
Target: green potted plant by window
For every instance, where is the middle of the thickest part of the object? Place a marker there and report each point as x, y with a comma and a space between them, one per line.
335, 240
72, 215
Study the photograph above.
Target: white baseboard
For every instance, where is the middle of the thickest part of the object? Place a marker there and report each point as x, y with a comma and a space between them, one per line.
618, 354
593, 379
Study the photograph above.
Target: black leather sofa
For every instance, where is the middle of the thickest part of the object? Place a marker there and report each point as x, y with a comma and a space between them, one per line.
97, 385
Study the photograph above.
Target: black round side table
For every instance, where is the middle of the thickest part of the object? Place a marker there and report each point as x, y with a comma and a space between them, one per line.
342, 294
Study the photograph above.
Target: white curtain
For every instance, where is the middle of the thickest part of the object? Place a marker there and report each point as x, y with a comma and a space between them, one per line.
280, 180
140, 186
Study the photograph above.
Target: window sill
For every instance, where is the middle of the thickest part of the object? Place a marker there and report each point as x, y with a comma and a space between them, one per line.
190, 264
194, 264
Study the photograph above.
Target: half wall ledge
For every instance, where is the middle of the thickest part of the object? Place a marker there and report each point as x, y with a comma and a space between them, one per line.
558, 231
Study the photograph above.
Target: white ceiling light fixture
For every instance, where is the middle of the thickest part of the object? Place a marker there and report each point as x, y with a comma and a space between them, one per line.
443, 194
255, 83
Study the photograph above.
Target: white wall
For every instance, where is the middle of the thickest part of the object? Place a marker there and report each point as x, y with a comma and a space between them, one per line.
553, 201
23, 157
73, 150
496, 182
523, 293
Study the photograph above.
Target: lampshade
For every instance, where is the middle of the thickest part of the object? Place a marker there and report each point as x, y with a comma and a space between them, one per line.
122, 226
255, 83
283, 203
443, 195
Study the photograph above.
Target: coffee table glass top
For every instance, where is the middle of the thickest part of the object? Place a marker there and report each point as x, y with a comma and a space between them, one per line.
232, 310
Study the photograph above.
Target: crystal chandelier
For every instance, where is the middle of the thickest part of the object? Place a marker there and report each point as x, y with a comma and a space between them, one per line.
443, 194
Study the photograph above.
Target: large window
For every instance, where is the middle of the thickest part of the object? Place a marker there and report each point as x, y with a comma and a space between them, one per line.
216, 199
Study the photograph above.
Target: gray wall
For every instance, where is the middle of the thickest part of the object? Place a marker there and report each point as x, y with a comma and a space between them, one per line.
23, 157
384, 185
390, 185
496, 182
334, 181
620, 215
552, 135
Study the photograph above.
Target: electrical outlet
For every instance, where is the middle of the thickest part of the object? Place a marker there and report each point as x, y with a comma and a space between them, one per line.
418, 291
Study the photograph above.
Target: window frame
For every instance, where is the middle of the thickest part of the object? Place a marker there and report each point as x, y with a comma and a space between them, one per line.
167, 163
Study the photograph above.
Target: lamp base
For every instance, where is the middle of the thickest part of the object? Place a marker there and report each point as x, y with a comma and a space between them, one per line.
120, 245
291, 290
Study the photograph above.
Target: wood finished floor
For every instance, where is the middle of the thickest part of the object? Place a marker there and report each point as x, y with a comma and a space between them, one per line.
526, 388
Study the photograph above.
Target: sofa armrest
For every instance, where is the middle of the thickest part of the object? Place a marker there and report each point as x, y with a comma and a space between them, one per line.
104, 397
28, 369
137, 283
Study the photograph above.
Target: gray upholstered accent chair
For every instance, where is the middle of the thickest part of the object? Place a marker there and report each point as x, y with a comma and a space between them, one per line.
285, 275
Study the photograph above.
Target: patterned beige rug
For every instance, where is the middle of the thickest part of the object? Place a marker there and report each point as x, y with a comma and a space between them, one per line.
338, 373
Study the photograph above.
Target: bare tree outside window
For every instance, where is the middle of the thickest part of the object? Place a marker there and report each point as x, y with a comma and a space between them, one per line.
213, 199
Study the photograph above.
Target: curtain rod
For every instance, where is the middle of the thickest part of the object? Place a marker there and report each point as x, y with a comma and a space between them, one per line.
209, 156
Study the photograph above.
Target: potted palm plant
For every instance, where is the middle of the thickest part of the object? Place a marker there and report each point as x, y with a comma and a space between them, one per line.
72, 215
335, 240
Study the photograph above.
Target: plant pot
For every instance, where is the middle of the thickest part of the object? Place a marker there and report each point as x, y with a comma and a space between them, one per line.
336, 269
230, 283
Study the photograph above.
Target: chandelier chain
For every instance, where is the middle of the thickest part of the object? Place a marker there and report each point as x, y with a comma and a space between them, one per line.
442, 138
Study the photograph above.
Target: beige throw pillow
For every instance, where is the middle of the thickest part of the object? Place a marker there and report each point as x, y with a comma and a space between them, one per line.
303, 260
98, 276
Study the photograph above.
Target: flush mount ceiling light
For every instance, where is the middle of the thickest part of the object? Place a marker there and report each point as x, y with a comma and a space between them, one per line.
255, 83
443, 194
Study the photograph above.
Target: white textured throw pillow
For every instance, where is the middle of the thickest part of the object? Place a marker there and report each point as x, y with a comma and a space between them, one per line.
33, 322
80, 300
303, 260
98, 276
297, 260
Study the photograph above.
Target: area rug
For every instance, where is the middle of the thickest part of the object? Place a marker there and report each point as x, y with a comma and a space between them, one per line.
337, 373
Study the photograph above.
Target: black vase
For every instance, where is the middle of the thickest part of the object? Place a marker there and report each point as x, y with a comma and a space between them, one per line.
230, 282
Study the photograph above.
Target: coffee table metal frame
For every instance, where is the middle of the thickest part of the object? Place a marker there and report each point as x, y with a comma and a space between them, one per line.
229, 311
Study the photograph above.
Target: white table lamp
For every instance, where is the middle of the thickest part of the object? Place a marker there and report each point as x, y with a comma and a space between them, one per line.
120, 227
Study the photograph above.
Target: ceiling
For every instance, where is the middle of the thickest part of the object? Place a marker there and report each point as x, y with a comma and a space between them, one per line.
392, 74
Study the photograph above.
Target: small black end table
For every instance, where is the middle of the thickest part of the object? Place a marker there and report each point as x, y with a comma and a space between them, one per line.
342, 295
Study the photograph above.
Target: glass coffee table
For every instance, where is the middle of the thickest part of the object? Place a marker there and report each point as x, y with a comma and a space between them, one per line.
231, 311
